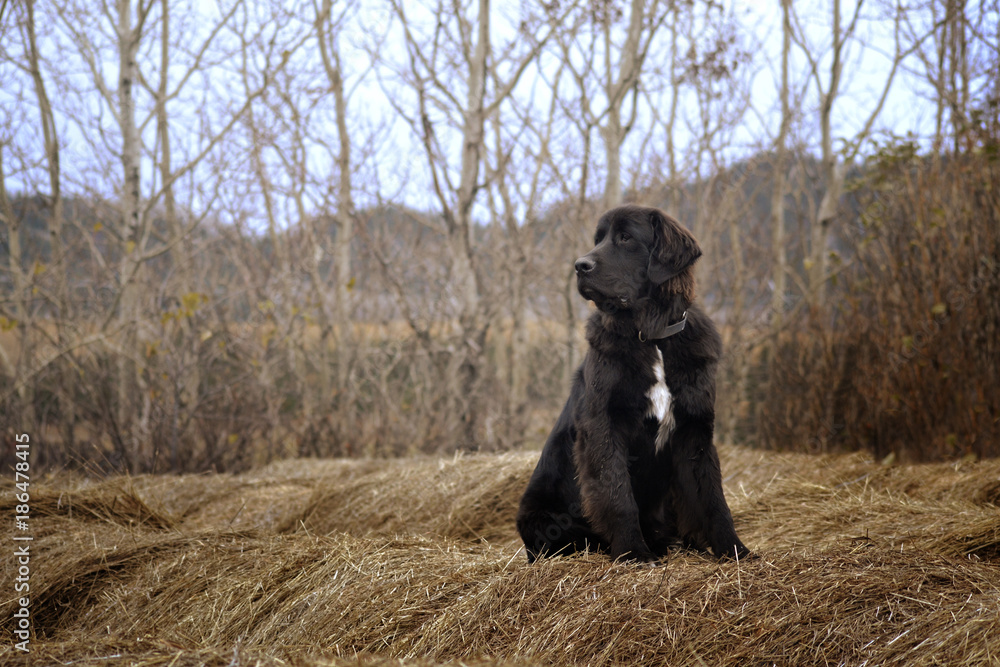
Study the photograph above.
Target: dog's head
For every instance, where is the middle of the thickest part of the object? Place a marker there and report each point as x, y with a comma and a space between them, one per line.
639, 252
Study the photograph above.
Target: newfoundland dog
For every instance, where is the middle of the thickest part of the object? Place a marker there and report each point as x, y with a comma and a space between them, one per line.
630, 468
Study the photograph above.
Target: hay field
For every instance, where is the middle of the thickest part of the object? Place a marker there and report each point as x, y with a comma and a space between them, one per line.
416, 562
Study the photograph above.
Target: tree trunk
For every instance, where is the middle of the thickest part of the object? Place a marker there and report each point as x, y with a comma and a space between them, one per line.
614, 131
25, 357
674, 196
832, 174
613, 138
55, 223
778, 237
463, 274
186, 387
345, 224
130, 430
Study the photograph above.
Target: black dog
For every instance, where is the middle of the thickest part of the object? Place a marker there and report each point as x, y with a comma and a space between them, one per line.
630, 467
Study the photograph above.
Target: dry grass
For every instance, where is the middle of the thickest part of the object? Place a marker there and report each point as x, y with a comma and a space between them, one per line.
417, 562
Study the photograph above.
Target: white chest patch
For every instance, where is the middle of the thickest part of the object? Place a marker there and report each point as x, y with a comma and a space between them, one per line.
660, 403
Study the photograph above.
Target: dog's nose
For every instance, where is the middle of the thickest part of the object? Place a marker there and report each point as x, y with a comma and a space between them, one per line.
585, 265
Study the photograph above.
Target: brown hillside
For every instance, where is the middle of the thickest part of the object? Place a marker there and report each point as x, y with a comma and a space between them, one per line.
417, 562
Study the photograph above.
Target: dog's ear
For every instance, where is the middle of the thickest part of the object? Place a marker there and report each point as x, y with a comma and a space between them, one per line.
674, 248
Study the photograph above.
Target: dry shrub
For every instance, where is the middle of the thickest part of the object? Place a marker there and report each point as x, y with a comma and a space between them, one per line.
235, 401
384, 562
905, 357
808, 403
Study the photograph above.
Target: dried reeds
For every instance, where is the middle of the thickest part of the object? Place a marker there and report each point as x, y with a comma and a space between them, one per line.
417, 562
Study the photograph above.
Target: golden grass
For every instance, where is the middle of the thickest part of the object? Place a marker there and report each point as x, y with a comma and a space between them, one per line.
417, 562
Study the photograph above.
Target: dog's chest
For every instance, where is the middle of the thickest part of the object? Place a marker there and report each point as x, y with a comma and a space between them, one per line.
660, 403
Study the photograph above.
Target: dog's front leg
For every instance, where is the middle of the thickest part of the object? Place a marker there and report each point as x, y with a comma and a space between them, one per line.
703, 514
606, 490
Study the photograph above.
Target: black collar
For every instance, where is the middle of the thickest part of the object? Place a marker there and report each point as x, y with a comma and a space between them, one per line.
669, 331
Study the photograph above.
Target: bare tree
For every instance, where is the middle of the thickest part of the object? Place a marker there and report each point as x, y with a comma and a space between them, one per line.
955, 48
460, 46
51, 139
608, 75
521, 169
18, 316
780, 187
643, 23
309, 218
833, 167
60, 290
121, 29
327, 26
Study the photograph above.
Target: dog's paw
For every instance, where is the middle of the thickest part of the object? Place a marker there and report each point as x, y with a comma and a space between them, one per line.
638, 558
736, 552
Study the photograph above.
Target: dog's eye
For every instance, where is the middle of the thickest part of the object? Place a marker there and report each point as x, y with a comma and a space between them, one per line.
624, 238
